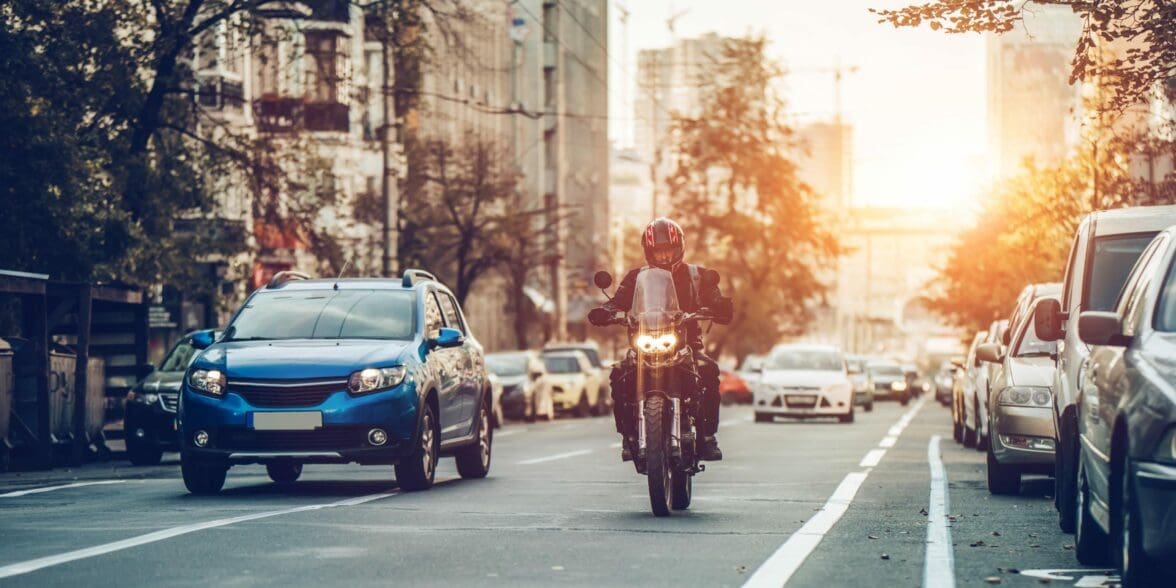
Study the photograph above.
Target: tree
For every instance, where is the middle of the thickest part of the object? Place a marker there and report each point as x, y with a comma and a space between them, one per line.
747, 213
1145, 29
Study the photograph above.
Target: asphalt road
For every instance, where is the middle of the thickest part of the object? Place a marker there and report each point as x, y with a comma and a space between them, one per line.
810, 504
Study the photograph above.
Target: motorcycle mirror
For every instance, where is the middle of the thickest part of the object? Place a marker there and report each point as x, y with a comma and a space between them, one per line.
599, 316
602, 279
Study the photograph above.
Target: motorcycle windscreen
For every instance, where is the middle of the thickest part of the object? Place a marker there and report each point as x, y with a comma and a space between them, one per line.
655, 301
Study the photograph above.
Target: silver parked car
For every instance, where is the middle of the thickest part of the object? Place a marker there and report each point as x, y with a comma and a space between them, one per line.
1021, 427
1126, 505
525, 392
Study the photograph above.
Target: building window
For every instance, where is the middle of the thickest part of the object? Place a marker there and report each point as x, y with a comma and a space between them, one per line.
328, 66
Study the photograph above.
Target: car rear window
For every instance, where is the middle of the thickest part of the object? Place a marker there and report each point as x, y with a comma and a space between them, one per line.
326, 314
510, 364
886, 370
561, 365
1113, 258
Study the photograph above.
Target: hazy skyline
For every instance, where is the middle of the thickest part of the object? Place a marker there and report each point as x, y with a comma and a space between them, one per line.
917, 102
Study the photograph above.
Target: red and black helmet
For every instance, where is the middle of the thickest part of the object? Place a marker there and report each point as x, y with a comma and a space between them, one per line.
664, 243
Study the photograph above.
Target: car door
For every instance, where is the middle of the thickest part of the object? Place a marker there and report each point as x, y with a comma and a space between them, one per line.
445, 366
1105, 382
469, 385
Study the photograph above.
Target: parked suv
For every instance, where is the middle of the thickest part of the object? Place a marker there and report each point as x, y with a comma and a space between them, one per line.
150, 422
370, 371
1105, 248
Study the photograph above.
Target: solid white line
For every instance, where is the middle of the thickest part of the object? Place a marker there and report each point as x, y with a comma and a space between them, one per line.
872, 458
62, 487
787, 559
616, 445
33, 565
938, 568
555, 457
888, 441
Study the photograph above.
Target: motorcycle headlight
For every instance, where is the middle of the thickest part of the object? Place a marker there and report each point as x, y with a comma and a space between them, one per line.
661, 344
375, 379
211, 382
898, 386
1025, 396
1166, 450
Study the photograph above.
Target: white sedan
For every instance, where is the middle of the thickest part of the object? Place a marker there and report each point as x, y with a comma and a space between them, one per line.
804, 381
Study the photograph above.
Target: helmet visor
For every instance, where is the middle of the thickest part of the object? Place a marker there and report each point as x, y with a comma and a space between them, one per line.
662, 254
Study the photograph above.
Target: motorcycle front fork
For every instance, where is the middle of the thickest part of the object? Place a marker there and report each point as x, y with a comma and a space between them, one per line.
675, 426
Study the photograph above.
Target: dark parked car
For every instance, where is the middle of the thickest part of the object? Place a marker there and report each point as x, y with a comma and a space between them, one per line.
150, 421
369, 371
888, 380
1126, 505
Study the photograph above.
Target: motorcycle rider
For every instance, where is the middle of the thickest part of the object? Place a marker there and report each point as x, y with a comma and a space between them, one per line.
664, 245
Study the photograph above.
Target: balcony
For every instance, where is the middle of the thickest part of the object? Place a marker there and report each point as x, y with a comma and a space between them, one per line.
290, 115
327, 116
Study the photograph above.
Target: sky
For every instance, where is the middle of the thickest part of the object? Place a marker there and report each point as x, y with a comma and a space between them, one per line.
917, 102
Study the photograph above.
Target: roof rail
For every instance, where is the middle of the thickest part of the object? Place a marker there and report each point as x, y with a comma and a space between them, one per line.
285, 276
414, 276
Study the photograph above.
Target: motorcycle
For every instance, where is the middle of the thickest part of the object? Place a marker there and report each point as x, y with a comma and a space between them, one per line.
666, 376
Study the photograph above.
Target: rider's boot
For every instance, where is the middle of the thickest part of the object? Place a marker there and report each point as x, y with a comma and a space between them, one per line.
708, 449
628, 448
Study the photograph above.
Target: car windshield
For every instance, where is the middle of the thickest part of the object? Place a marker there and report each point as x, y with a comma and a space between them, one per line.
1113, 259
326, 314
886, 370
181, 355
799, 359
507, 364
593, 356
556, 364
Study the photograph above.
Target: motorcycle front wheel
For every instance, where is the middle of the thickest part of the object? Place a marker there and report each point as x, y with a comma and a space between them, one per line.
658, 469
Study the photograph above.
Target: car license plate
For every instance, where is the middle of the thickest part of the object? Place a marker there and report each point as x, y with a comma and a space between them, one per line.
801, 400
285, 421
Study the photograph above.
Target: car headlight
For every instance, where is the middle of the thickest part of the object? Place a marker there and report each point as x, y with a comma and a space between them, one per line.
142, 398
375, 379
898, 386
1025, 396
660, 344
1166, 450
211, 382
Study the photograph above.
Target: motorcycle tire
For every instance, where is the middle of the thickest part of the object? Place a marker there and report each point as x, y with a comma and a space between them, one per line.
658, 469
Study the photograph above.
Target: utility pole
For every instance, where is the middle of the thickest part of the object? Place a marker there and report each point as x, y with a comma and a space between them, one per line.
388, 176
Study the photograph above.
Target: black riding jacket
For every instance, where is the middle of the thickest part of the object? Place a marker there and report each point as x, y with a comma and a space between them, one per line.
691, 296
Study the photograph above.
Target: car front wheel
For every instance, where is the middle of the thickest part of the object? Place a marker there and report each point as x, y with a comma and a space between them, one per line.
416, 472
1066, 477
1090, 541
1137, 568
202, 477
143, 455
1002, 479
473, 461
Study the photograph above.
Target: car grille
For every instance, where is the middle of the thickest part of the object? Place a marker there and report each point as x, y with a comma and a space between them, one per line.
286, 393
170, 401
325, 439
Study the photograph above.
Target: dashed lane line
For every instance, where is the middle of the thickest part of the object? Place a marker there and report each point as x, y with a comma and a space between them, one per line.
788, 558
61, 487
33, 565
555, 457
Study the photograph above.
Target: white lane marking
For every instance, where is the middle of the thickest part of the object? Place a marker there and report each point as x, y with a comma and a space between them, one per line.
782, 564
939, 566
895, 431
729, 422
1068, 575
33, 565
787, 559
888, 441
872, 458
616, 445
62, 487
555, 457
508, 433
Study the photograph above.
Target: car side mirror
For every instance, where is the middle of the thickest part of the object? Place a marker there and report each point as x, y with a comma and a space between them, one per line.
1101, 328
957, 362
1047, 320
536, 375
989, 352
1006, 336
602, 279
447, 338
203, 339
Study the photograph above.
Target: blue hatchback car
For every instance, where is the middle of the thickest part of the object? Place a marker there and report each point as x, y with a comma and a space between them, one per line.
363, 370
